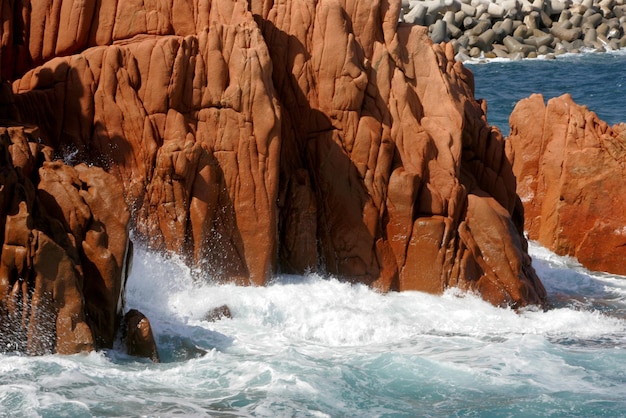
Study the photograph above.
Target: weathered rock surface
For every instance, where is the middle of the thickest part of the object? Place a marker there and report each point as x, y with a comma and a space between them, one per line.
295, 136
387, 158
138, 336
64, 238
571, 171
189, 124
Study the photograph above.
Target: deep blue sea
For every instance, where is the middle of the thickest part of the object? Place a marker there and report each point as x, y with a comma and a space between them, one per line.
597, 80
308, 346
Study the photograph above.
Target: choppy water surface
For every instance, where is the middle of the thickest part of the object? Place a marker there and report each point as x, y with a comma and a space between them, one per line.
308, 346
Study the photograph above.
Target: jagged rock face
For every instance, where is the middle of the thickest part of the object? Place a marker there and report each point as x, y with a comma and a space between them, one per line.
300, 135
189, 124
64, 236
390, 174
571, 171
138, 336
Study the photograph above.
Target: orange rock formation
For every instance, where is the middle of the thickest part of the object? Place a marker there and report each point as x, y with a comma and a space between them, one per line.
571, 170
264, 136
138, 336
64, 250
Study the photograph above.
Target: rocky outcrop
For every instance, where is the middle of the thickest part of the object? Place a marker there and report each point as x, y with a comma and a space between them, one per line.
217, 313
190, 126
389, 170
289, 136
64, 237
138, 336
571, 168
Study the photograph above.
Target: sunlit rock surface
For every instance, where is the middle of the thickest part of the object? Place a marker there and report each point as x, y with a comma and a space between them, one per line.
571, 173
257, 137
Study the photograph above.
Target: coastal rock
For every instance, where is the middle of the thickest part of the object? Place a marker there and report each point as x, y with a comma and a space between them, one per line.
220, 312
386, 146
293, 136
64, 235
571, 168
189, 125
138, 336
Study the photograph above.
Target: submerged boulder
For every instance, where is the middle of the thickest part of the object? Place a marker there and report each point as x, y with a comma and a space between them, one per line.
256, 137
217, 313
571, 169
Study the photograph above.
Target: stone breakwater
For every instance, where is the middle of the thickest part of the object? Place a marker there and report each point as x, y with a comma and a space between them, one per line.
518, 29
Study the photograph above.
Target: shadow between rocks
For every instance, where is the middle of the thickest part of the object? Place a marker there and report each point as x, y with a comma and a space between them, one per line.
321, 194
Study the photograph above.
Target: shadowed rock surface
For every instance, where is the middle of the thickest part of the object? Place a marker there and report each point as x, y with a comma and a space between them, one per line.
288, 136
571, 173
64, 235
217, 313
138, 336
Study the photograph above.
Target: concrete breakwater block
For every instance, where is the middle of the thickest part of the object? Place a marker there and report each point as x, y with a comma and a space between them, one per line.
520, 28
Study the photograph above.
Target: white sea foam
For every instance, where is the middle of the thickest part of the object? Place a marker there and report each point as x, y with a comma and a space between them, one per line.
315, 310
564, 56
311, 346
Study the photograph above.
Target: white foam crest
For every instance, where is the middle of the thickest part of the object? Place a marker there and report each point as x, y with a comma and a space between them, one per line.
564, 275
18, 396
314, 311
567, 55
537, 251
43, 385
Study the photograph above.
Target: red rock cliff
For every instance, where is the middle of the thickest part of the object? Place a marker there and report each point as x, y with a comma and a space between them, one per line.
286, 135
571, 171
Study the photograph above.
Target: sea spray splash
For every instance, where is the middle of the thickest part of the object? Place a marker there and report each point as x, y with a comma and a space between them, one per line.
313, 346
310, 343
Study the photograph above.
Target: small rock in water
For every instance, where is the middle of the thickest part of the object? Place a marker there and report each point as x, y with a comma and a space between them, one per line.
138, 336
218, 313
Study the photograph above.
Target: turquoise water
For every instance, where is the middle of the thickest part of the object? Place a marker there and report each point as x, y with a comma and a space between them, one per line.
308, 346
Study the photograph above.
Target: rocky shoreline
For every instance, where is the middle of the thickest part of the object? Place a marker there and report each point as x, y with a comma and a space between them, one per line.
517, 29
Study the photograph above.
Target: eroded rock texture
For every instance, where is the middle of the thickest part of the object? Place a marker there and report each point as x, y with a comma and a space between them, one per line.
571, 170
390, 174
190, 126
64, 237
138, 336
267, 136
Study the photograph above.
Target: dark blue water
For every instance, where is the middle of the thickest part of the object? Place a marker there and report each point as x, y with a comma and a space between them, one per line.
595, 80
